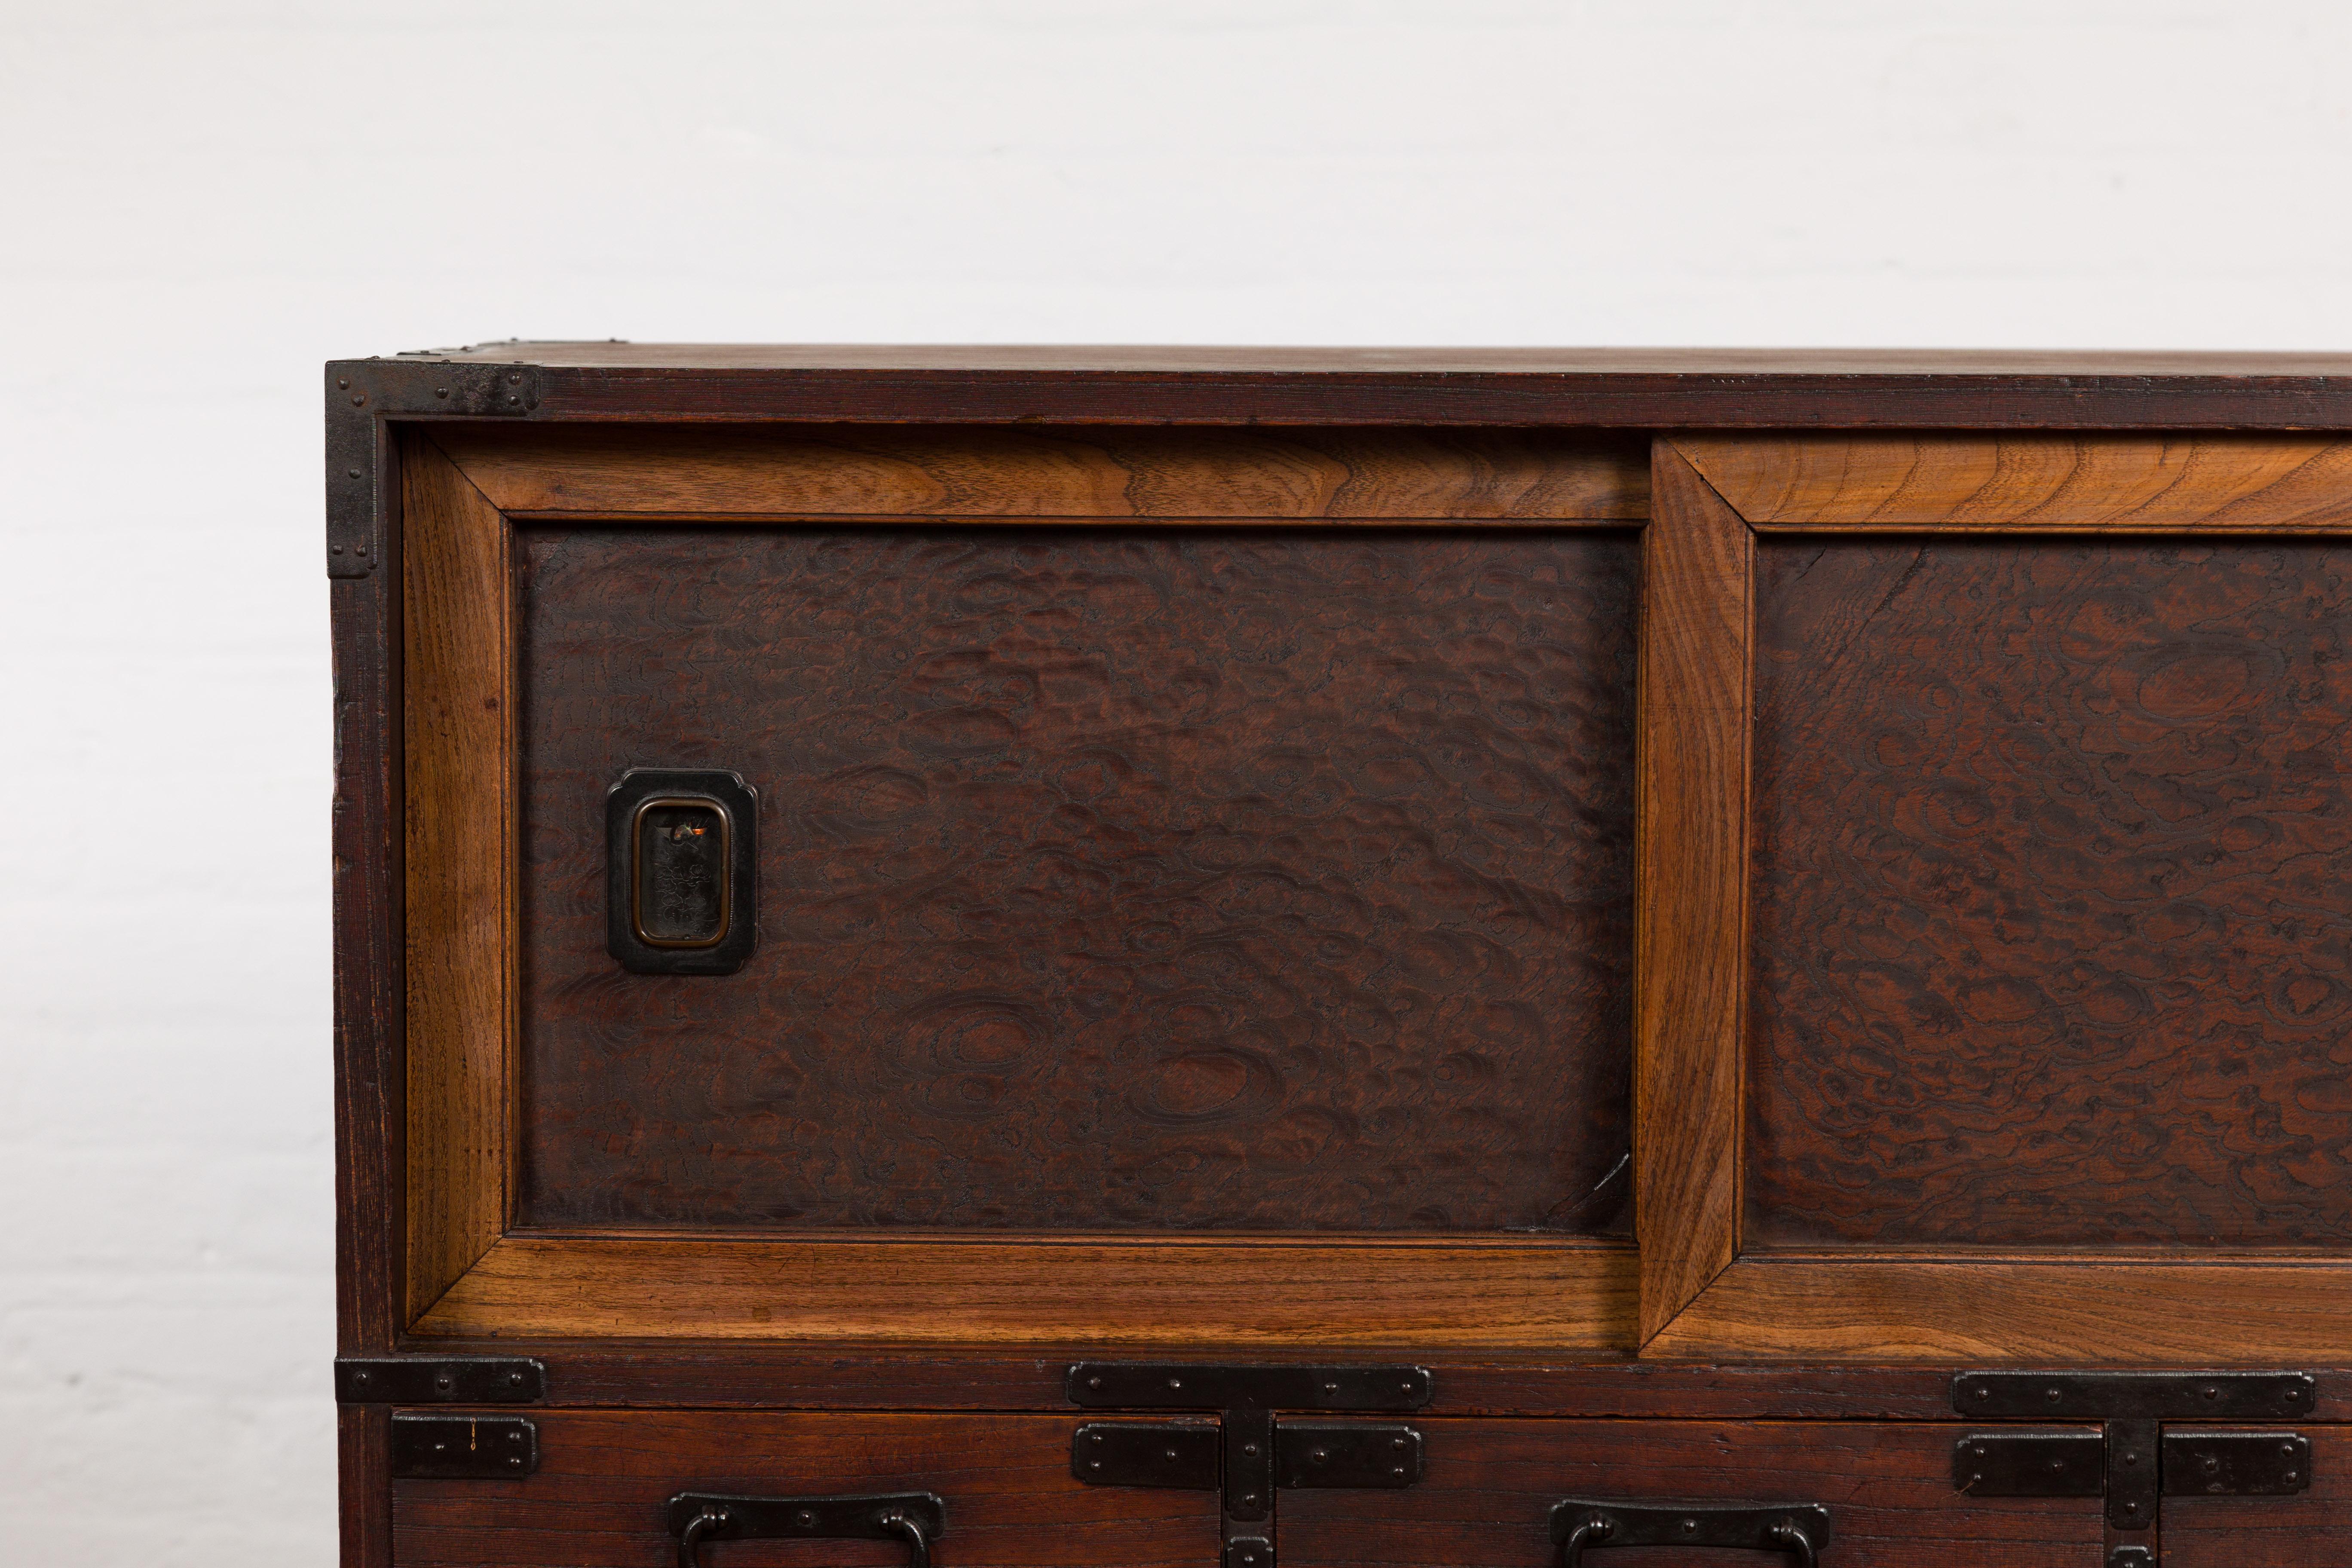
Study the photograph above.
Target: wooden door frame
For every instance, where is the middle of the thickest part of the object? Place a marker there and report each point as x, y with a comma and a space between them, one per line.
467, 1272
1702, 1294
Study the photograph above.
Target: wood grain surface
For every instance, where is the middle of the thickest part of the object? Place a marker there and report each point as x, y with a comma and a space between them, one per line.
1168, 881
1698, 559
2027, 482
460, 711
1028, 474
1488, 1487
1500, 1293
2313, 1529
2148, 1313
604, 1479
2050, 918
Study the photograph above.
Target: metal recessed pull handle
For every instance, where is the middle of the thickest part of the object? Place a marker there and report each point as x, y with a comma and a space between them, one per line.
1799, 1529
916, 1518
682, 871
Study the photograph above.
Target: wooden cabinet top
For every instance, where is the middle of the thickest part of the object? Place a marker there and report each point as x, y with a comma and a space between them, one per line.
1614, 387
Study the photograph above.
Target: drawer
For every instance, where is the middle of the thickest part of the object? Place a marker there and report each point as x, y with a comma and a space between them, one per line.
1489, 1488
600, 1497
1888, 1492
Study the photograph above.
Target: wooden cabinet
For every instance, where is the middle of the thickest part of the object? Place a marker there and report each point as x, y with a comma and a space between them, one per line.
1622, 926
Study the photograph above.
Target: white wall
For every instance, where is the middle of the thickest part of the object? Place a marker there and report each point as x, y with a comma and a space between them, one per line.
200, 201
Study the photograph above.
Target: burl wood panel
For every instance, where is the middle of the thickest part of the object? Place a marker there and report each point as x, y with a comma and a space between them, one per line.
1168, 881
2313, 1529
604, 1478
2050, 895
1488, 1488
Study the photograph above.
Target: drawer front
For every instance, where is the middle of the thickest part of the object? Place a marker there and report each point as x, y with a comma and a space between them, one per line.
599, 1499
1488, 1490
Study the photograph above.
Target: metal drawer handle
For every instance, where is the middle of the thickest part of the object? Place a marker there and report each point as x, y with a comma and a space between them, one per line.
1800, 1529
916, 1518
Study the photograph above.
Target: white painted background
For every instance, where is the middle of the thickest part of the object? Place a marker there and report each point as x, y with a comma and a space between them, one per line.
200, 200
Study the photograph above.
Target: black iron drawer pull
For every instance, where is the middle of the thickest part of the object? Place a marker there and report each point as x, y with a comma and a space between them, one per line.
1799, 1529
916, 1518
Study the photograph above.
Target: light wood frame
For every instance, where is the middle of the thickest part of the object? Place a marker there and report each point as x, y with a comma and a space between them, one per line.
469, 1273
1702, 1296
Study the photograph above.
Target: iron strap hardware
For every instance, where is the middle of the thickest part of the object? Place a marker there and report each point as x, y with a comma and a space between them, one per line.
2189, 1464
463, 1448
2137, 1461
1246, 1455
1581, 1524
916, 1518
440, 1380
362, 394
1309, 1455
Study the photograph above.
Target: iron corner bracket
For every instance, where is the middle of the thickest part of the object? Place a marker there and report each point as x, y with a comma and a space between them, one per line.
363, 398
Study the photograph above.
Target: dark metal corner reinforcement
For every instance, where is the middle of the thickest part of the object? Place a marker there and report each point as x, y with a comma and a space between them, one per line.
1247, 1454
362, 397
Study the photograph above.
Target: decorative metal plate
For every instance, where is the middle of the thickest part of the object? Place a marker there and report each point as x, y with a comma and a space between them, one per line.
2236, 1464
463, 1448
2031, 1463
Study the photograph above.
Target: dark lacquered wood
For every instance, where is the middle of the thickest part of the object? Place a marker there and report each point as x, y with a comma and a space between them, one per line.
1601, 388
364, 1485
368, 1055
1109, 880
586, 1373
604, 1476
1487, 1488
2049, 911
